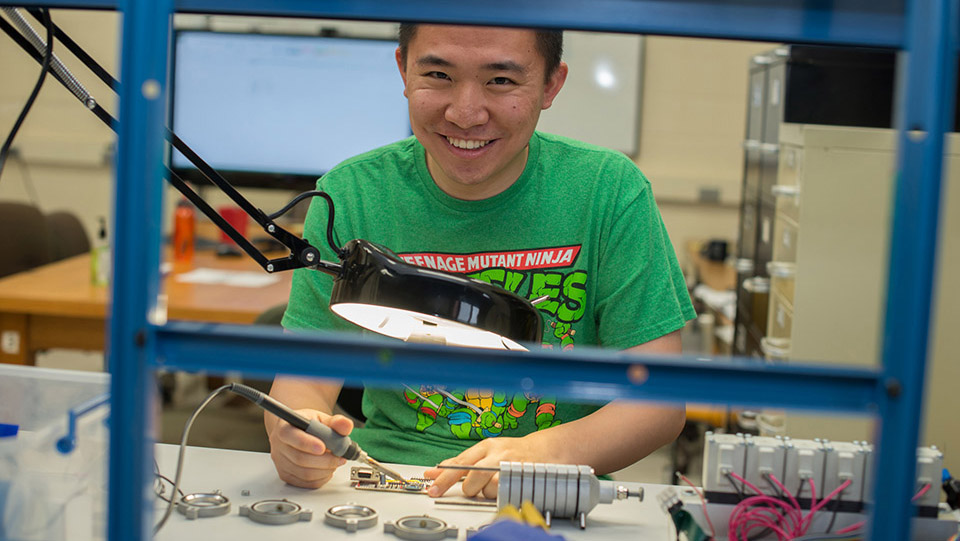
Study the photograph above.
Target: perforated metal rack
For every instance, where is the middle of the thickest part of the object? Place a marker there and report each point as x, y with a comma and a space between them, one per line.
926, 30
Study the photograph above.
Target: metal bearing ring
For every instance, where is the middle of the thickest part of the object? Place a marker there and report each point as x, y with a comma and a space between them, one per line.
351, 517
203, 505
276, 512
420, 528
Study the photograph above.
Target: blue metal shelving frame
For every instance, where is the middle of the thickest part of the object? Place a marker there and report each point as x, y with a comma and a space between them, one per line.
140, 342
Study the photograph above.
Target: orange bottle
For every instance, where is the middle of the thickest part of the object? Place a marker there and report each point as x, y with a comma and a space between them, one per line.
184, 232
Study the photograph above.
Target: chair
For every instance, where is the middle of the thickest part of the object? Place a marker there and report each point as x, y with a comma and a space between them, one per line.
24, 242
67, 235
350, 397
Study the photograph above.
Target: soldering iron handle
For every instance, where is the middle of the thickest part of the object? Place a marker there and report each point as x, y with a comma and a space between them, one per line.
337, 444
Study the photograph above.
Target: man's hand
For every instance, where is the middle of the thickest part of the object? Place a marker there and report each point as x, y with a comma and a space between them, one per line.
487, 453
301, 459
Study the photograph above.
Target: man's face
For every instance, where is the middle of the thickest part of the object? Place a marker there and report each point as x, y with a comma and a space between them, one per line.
475, 95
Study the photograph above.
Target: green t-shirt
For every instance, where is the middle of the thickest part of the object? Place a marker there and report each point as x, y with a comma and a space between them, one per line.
579, 225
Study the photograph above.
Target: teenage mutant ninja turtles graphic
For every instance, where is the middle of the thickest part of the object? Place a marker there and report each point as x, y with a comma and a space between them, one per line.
543, 272
477, 414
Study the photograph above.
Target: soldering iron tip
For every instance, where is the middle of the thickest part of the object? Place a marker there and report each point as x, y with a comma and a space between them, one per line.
386, 470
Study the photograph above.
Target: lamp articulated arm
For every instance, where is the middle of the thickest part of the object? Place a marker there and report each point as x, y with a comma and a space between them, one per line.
372, 286
302, 253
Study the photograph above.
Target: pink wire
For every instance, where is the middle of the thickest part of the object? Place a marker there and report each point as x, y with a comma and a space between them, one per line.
745, 482
921, 492
785, 491
780, 533
826, 500
713, 531
761, 493
813, 504
813, 493
742, 508
754, 518
852, 527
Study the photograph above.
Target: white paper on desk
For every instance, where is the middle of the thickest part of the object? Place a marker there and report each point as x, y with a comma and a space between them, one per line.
233, 278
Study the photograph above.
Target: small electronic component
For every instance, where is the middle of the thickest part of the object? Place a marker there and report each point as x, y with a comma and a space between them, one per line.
420, 528
203, 505
684, 522
351, 517
362, 478
276, 512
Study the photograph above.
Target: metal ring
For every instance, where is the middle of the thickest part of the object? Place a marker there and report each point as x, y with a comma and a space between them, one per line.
203, 505
420, 528
351, 517
276, 512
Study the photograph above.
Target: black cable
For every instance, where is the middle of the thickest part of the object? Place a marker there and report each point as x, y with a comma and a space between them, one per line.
733, 482
835, 510
780, 493
303, 196
81, 55
27, 181
44, 68
183, 448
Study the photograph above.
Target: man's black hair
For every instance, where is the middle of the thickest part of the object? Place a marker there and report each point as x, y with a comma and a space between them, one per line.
549, 45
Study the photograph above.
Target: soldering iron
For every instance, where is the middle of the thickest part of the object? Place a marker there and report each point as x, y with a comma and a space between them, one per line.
338, 445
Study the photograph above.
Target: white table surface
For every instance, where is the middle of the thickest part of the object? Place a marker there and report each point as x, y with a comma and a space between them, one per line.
206, 470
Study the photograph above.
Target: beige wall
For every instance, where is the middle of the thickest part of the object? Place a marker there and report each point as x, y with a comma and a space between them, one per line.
65, 150
691, 126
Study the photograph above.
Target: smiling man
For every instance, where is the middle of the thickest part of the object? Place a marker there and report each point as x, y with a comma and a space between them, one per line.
478, 191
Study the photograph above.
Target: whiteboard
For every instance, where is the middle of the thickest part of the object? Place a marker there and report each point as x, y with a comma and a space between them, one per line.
600, 102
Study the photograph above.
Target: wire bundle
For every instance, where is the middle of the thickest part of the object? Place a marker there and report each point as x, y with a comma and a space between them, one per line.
783, 516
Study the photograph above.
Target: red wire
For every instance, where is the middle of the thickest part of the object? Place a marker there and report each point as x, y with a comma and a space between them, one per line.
703, 500
852, 527
921, 492
826, 500
745, 482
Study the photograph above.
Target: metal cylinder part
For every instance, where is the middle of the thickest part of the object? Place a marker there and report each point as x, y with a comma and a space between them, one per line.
276, 512
351, 517
203, 505
420, 528
558, 490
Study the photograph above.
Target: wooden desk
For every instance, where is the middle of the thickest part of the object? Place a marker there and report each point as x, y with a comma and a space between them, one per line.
56, 306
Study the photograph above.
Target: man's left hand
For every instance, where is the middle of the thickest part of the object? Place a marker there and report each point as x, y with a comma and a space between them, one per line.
487, 453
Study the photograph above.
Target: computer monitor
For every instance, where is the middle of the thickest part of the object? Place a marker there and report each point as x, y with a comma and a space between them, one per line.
277, 111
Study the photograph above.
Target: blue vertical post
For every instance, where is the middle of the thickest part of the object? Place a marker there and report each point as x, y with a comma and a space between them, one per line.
135, 279
925, 98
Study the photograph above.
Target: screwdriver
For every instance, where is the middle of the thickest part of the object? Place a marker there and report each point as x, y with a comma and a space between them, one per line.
338, 445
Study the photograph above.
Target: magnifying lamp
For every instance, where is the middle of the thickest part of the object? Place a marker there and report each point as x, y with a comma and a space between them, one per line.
373, 287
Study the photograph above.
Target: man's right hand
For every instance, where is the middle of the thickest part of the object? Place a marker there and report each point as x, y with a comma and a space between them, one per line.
301, 459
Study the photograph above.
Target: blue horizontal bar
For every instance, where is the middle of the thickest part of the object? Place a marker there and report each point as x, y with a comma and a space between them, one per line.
878, 23
588, 374
856, 22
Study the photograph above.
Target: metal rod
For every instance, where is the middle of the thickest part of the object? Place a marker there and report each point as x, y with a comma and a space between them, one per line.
471, 468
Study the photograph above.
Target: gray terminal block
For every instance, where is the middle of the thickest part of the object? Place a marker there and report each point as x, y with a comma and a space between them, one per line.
276, 512
420, 528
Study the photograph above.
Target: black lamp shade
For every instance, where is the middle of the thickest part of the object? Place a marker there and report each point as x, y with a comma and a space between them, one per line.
381, 292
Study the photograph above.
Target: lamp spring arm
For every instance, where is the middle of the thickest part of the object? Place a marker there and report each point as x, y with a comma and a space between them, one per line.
302, 253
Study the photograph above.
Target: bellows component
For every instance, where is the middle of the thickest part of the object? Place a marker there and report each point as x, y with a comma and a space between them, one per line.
556, 490
362, 478
420, 528
276, 512
351, 517
203, 505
